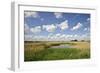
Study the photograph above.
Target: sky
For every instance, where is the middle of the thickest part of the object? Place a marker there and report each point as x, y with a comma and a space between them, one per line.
56, 26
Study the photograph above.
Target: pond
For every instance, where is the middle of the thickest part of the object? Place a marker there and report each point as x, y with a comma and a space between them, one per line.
61, 46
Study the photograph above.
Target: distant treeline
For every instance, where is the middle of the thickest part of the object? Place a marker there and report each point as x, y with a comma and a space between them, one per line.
75, 40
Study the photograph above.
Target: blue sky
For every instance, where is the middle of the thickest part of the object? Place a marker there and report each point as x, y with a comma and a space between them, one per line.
54, 26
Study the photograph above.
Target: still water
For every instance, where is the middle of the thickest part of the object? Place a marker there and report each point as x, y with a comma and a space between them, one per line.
62, 46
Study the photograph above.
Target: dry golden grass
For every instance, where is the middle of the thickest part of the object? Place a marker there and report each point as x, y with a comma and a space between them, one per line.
33, 47
81, 45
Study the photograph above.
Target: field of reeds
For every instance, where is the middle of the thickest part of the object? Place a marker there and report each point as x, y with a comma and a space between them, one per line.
43, 50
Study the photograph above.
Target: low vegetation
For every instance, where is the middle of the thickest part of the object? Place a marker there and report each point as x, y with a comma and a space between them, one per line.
38, 51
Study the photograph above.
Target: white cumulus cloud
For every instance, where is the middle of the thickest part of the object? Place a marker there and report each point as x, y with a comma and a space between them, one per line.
60, 37
86, 29
58, 15
79, 25
76, 35
31, 14
88, 19
28, 37
58, 34
26, 29
49, 28
35, 29
64, 25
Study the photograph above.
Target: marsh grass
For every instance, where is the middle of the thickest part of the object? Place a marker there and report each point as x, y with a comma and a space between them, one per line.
57, 54
39, 51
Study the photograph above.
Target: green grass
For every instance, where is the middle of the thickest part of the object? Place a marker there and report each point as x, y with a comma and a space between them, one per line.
56, 54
